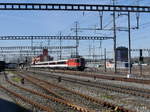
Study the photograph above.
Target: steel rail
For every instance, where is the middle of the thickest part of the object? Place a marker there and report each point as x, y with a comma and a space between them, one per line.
78, 108
41, 86
123, 89
98, 101
85, 74
27, 100
61, 101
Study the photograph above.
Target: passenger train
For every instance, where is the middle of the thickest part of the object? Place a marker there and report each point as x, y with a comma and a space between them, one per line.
73, 63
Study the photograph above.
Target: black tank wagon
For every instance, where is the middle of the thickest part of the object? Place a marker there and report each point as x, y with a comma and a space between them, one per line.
2, 66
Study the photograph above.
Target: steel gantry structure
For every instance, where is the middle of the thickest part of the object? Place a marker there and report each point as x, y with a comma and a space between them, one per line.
72, 7
81, 7
16, 54
36, 47
25, 51
145, 50
54, 37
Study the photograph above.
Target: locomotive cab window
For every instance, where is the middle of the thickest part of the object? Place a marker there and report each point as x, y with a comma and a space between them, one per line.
77, 60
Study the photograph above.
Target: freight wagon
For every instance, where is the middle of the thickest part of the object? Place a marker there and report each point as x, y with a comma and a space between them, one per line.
2, 66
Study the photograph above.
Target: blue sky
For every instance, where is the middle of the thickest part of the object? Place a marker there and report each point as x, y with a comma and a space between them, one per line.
53, 22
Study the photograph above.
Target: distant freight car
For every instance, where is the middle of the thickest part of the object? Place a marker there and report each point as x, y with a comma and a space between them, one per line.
2, 66
122, 54
11, 65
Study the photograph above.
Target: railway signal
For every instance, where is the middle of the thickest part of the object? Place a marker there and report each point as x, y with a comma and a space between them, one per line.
141, 60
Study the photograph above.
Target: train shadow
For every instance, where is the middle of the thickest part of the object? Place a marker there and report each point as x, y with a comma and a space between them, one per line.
7, 106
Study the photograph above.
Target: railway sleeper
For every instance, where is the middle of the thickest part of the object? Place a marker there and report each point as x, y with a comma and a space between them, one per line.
69, 104
35, 104
89, 97
55, 99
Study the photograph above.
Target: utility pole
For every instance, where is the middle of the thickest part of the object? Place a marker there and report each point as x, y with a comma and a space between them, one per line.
77, 41
60, 44
93, 53
89, 49
100, 49
105, 60
49, 50
4, 57
129, 42
48, 42
148, 53
32, 43
101, 20
114, 30
138, 15
129, 46
32, 48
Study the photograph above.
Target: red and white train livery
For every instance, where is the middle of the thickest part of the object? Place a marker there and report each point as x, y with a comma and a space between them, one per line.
73, 63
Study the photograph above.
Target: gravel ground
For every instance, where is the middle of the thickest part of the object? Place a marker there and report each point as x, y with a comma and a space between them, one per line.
100, 71
3, 94
8, 97
47, 102
122, 72
71, 97
79, 100
130, 84
56, 106
136, 103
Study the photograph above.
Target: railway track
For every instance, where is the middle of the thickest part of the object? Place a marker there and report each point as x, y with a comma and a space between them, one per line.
94, 100
66, 103
55, 98
27, 100
100, 76
47, 86
145, 93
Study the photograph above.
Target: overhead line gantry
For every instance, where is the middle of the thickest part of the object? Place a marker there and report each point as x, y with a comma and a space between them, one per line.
54, 37
81, 7
73, 7
25, 51
36, 47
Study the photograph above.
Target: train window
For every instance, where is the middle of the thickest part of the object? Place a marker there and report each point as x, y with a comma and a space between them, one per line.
45, 63
42, 64
52, 63
62, 62
77, 60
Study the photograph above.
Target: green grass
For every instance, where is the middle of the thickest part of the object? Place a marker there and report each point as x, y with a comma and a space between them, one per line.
16, 79
107, 96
